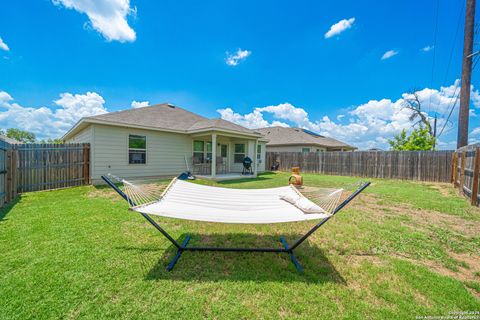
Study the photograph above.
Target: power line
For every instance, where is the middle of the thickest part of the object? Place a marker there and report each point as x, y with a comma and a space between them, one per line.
477, 58
451, 111
434, 50
454, 41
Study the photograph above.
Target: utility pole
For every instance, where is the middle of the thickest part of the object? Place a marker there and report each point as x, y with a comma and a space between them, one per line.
435, 131
462, 137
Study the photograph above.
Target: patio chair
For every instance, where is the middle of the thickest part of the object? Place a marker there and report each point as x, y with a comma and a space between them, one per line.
189, 201
199, 166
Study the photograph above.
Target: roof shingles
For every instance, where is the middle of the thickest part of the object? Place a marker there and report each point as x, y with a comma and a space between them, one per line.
297, 136
168, 117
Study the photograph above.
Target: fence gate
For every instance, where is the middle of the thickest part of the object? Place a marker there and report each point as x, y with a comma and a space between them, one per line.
466, 171
4, 149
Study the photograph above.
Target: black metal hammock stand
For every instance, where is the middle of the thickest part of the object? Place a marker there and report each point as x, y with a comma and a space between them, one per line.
140, 202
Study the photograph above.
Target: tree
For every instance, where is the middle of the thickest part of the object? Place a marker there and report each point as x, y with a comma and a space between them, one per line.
411, 101
20, 135
52, 141
422, 136
419, 139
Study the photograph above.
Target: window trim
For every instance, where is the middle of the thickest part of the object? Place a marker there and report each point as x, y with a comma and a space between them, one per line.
198, 152
136, 149
244, 153
259, 153
304, 150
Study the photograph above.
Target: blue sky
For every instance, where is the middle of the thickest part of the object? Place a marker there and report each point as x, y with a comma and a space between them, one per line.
63, 59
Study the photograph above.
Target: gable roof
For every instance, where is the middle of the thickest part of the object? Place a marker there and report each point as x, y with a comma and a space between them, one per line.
282, 136
9, 140
162, 117
219, 123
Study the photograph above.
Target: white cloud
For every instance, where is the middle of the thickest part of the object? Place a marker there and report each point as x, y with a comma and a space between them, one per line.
46, 122
339, 27
426, 48
367, 125
3, 45
140, 104
233, 59
5, 98
475, 132
389, 54
74, 107
109, 17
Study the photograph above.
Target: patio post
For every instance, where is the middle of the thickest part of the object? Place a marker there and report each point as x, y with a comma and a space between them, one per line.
214, 155
255, 158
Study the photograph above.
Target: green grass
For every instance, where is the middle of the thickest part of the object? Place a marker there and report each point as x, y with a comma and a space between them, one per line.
396, 252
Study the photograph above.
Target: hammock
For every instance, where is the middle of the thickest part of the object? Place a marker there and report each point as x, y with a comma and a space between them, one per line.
186, 200
189, 201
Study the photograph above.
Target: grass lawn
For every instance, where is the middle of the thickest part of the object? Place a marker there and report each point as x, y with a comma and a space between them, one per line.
400, 250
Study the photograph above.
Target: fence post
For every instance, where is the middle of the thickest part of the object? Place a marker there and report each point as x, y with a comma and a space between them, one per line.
476, 169
15, 173
86, 163
453, 178
8, 182
462, 173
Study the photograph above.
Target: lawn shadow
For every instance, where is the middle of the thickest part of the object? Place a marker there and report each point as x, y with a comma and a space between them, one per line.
261, 177
235, 181
6, 209
245, 266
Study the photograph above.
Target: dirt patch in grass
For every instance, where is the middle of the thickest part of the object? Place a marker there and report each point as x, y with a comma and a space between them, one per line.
444, 189
466, 265
417, 218
465, 275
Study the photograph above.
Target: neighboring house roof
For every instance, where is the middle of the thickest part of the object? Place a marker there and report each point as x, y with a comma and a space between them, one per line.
9, 140
162, 117
284, 136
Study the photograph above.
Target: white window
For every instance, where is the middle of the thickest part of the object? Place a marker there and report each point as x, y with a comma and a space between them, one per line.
209, 151
198, 151
259, 153
239, 153
137, 149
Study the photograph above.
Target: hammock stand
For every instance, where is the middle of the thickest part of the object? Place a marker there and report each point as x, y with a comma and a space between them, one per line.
286, 247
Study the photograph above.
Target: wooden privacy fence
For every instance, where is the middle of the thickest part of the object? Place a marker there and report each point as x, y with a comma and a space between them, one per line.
34, 167
410, 165
465, 171
51, 166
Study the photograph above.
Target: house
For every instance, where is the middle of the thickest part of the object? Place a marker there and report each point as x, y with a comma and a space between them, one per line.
165, 140
285, 139
9, 140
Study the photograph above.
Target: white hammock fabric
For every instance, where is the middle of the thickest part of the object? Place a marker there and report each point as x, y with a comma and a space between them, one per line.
190, 201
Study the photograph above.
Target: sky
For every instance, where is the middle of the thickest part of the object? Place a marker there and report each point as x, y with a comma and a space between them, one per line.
339, 68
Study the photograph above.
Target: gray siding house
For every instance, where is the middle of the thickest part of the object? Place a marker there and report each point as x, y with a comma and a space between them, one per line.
285, 139
163, 140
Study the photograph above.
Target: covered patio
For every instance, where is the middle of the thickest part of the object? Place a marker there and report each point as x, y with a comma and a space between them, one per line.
219, 155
